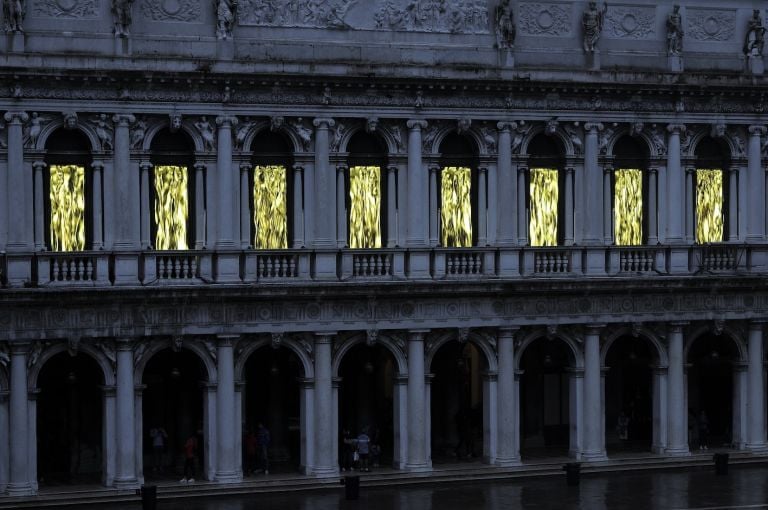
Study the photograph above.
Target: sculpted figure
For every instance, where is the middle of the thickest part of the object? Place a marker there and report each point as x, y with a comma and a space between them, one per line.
32, 130
175, 122
755, 38
13, 14
225, 15
675, 32
70, 120
103, 131
206, 132
505, 25
138, 133
592, 21
121, 11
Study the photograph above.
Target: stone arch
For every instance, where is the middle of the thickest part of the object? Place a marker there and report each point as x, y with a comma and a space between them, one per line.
643, 332
285, 129
445, 129
388, 146
734, 152
480, 341
290, 343
696, 137
570, 341
359, 338
186, 125
728, 332
538, 128
391, 141
625, 131
159, 345
47, 130
106, 365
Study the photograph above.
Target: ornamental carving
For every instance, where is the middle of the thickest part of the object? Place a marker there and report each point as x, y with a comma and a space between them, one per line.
545, 19
630, 22
303, 132
293, 13
711, 25
73, 9
447, 16
184, 11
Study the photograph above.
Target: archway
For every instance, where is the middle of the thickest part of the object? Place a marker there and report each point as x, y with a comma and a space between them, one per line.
367, 192
628, 392
715, 222
546, 399
457, 190
457, 413
545, 193
629, 181
172, 410
714, 393
70, 432
366, 403
272, 398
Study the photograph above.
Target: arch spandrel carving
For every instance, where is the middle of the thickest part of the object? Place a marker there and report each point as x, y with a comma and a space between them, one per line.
156, 346
84, 348
155, 124
246, 347
342, 345
639, 331
729, 330
569, 338
439, 338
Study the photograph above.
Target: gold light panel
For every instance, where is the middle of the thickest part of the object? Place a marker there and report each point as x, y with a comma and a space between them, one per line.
543, 207
709, 205
456, 210
270, 207
365, 207
171, 207
628, 207
67, 193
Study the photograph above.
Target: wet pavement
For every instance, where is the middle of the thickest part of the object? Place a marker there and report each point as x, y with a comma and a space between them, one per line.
743, 487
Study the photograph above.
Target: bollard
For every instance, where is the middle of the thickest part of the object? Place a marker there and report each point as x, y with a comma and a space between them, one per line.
351, 487
148, 497
572, 473
721, 463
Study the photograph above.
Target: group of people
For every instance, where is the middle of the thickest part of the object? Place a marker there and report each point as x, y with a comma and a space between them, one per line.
257, 450
360, 452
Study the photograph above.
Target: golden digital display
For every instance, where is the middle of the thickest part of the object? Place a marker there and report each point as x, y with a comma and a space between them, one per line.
270, 207
365, 207
67, 193
709, 205
628, 207
456, 207
543, 206
171, 207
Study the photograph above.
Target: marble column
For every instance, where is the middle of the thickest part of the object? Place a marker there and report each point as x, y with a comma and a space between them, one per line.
326, 457
39, 206
201, 218
756, 438
507, 454
98, 206
417, 410
227, 426
125, 476
594, 438
325, 194
19, 479
522, 213
506, 198
653, 236
733, 203
417, 226
225, 216
434, 207
493, 206
19, 237
342, 235
593, 212
569, 206
677, 435
145, 227
675, 179
756, 179
482, 206
608, 230
245, 207
690, 228
298, 207
126, 185
391, 206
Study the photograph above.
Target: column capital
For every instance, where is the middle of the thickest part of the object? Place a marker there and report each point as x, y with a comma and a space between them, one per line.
342, 167
323, 122
417, 335
652, 170
505, 126
146, 165
326, 337
569, 170
595, 328
607, 169
246, 166
19, 347
199, 165
677, 326
16, 118
124, 344
226, 121
757, 129
38, 165
521, 169
690, 170
298, 167
593, 127
508, 331
433, 168
757, 324
226, 340
416, 124
123, 119
96, 165
676, 129
391, 168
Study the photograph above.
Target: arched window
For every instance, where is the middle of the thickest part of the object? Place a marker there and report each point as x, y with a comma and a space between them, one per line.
630, 185
68, 188
271, 191
367, 191
172, 190
546, 201
711, 190
458, 192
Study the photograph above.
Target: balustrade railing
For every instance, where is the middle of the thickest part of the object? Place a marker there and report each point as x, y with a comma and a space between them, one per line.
634, 259
716, 258
551, 261
176, 266
72, 268
372, 264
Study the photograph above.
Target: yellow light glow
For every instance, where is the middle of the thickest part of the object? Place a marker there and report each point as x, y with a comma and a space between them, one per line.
67, 193
365, 207
544, 196
171, 209
270, 207
456, 207
628, 207
709, 205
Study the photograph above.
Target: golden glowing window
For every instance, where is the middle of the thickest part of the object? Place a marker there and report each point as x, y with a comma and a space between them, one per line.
709, 205
270, 207
171, 207
628, 207
67, 193
456, 207
543, 207
365, 207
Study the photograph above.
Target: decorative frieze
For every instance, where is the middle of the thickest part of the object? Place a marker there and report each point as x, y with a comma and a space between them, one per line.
711, 25
184, 11
448, 16
72, 9
630, 22
551, 19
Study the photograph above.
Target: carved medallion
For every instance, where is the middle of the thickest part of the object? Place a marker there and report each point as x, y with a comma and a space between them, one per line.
281, 13
545, 19
76, 9
630, 22
711, 25
448, 16
171, 10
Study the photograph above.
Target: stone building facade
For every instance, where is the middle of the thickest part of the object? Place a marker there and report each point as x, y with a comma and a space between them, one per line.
565, 227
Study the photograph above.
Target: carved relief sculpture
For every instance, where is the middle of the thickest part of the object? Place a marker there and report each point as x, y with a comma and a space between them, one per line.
519, 134
241, 134
505, 25
754, 40
452, 16
138, 133
592, 22
710, 25
675, 32
206, 133
631, 22
225, 18
13, 14
33, 128
544, 19
294, 13
574, 137
121, 12
303, 132
70, 120
103, 131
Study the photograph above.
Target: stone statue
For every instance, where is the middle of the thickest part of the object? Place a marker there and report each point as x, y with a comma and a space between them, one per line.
103, 131
13, 14
225, 15
33, 128
206, 133
675, 32
755, 38
121, 12
505, 25
138, 133
592, 21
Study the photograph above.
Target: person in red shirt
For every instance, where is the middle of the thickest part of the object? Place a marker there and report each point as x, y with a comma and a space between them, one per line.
251, 451
190, 450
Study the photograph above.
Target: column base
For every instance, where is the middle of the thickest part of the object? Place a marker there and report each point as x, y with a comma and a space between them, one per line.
511, 462
325, 472
419, 468
20, 489
228, 477
126, 484
758, 448
677, 451
594, 456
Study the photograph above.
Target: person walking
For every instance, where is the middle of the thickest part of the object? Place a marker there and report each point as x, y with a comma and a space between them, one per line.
190, 451
364, 450
251, 451
264, 440
158, 436
703, 425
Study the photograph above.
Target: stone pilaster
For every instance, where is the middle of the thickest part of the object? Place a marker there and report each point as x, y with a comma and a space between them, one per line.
125, 476
677, 434
227, 425
594, 437
756, 180
19, 479
326, 464
507, 454
417, 410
